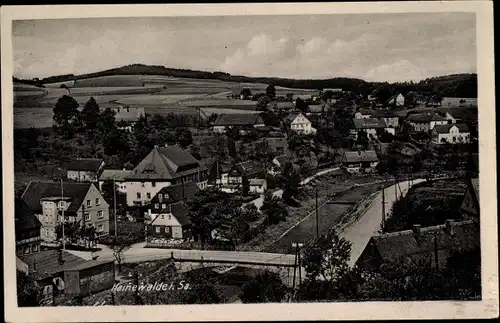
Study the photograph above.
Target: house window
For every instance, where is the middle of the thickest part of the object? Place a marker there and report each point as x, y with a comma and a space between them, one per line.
148, 195
157, 229
100, 228
139, 195
35, 248
160, 196
97, 202
88, 203
170, 217
99, 214
87, 216
167, 229
157, 206
153, 184
26, 250
163, 206
143, 184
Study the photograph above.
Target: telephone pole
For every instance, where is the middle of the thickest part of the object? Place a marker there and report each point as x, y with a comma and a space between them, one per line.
383, 207
62, 214
296, 264
114, 201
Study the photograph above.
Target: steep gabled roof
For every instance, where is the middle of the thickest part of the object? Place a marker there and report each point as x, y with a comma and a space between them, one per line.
25, 219
176, 192
165, 163
243, 119
360, 156
85, 164
38, 190
47, 262
369, 123
178, 210
249, 168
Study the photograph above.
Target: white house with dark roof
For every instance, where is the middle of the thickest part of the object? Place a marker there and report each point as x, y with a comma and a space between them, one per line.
85, 169
370, 126
397, 100
162, 167
81, 202
115, 175
169, 221
299, 123
127, 116
425, 121
451, 133
359, 161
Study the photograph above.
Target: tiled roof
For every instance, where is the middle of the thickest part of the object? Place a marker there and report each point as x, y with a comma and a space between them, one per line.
249, 168
85, 164
88, 264
179, 211
282, 159
243, 119
176, 193
360, 156
116, 174
47, 262
384, 114
25, 219
445, 128
393, 247
38, 190
425, 117
257, 181
284, 105
166, 163
316, 108
369, 123
366, 112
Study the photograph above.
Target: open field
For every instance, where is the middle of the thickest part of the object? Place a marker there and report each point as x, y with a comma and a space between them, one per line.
58, 84
155, 99
110, 81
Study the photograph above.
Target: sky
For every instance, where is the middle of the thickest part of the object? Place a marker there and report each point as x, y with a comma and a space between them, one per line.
373, 47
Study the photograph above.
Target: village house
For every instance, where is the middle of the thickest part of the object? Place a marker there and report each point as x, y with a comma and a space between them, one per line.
126, 116
283, 106
250, 169
85, 169
397, 100
27, 229
316, 109
280, 161
299, 123
114, 175
81, 202
451, 133
425, 121
359, 161
420, 248
470, 205
364, 113
370, 126
172, 194
162, 167
168, 221
258, 185
391, 119
244, 121
218, 172
62, 275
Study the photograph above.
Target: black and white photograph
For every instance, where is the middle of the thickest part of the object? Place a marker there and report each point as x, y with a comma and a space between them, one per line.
228, 155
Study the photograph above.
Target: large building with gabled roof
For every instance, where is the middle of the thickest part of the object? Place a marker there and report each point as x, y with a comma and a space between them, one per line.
162, 167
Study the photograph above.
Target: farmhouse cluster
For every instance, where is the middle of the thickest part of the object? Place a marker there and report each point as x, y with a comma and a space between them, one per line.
225, 170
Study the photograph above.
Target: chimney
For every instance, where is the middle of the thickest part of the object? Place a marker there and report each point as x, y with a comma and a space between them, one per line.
449, 227
417, 230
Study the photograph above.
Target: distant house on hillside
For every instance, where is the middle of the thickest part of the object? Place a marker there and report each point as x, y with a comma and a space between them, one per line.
359, 161
420, 248
126, 116
81, 202
115, 175
243, 121
397, 100
451, 133
85, 169
391, 119
162, 167
248, 169
299, 123
470, 204
425, 121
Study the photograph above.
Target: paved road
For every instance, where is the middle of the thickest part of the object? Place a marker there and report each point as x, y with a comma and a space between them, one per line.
258, 202
368, 225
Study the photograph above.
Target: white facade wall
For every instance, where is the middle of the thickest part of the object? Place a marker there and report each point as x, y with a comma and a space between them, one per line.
453, 137
138, 191
82, 176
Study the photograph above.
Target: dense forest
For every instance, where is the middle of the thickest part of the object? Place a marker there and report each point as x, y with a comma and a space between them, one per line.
457, 85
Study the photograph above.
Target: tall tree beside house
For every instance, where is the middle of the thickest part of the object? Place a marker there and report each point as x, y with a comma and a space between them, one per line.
120, 244
265, 287
231, 148
290, 179
262, 103
71, 231
271, 118
271, 91
90, 114
245, 186
301, 105
183, 137
362, 140
66, 117
29, 293
273, 208
246, 93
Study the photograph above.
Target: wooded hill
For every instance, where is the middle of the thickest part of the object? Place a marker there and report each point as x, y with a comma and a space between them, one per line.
457, 85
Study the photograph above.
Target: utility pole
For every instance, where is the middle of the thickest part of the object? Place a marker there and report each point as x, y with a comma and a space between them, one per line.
383, 207
436, 251
296, 264
62, 214
114, 201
